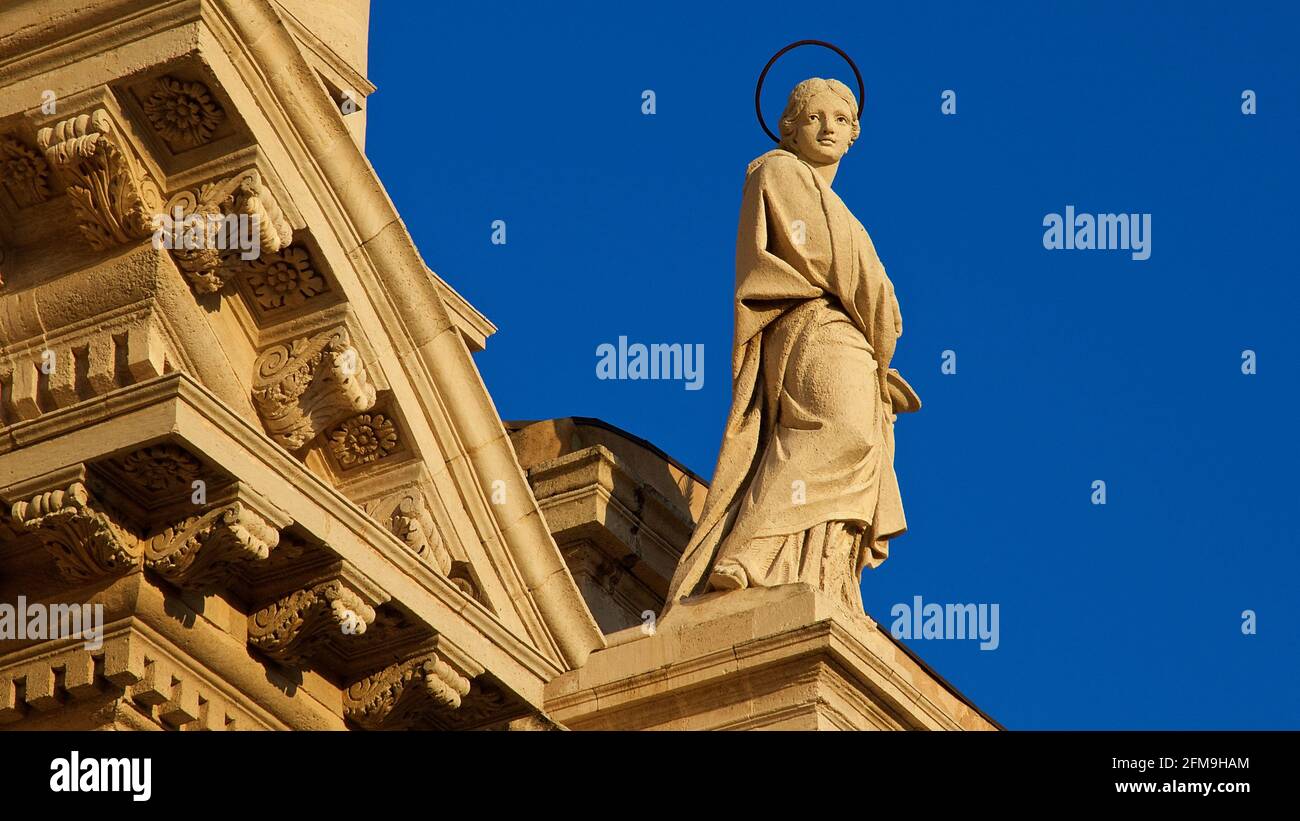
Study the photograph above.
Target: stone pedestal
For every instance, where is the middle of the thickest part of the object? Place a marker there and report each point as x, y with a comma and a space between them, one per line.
784, 658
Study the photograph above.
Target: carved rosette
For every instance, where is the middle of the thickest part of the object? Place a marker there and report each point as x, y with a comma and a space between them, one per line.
413, 693
303, 388
285, 279
183, 113
161, 468
365, 438
24, 172
209, 255
290, 629
198, 552
85, 542
114, 199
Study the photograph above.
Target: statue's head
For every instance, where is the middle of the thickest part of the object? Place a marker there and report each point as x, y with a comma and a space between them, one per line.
820, 121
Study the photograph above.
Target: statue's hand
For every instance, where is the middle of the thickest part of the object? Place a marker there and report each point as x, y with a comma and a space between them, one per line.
902, 397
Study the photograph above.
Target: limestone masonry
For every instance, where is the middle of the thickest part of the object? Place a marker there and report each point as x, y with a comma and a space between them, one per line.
269, 462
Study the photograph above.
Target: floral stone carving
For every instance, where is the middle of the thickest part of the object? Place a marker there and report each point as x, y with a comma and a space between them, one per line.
183, 113
363, 439
113, 198
285, 279
24, 172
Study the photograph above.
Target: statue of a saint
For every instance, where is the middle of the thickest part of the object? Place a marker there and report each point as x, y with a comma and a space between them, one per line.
805, 489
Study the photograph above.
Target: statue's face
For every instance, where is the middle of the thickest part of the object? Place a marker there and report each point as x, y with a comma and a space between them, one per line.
824, 128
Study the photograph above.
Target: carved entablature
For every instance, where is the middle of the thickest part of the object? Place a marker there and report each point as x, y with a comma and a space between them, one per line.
216, 219
24, 172
198, 551
86, 539
417, 692
291, 628
62, 367
309, 385
113, 197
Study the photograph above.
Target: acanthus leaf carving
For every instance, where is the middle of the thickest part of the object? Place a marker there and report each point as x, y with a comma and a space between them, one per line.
309, 385
407, 515
206, 231
291, 628
198, 552
84, 539
414, 525
113, 197
415, 692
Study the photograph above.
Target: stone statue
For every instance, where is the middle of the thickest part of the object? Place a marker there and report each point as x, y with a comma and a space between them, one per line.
805, 489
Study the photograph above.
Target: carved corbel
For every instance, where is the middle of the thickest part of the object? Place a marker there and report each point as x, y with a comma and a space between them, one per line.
411, 693
407, 516
83, 536
113, 197
309, 385
414, 525
197, 553
206, 228
291, 628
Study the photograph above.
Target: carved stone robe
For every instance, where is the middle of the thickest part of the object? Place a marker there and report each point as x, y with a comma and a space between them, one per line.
805, 488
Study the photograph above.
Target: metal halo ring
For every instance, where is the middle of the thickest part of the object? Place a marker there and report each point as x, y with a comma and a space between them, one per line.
758, 91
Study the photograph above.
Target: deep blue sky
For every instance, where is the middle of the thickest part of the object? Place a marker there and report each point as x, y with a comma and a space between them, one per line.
1072, 366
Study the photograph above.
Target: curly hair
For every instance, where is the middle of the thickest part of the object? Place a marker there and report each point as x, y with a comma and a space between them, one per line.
799, 98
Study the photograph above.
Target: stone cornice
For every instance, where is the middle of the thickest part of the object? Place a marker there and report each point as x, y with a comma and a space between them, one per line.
206, 427
256, 40
251, 60
70, 30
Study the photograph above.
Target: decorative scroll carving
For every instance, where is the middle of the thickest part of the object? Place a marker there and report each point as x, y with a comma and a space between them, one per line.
407, 515
198, 552
183, 113
413, 693
284, 279
363, 439
309, 385
414, 525
291, 628
227, 211
114, 199
24, 172
85, 542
